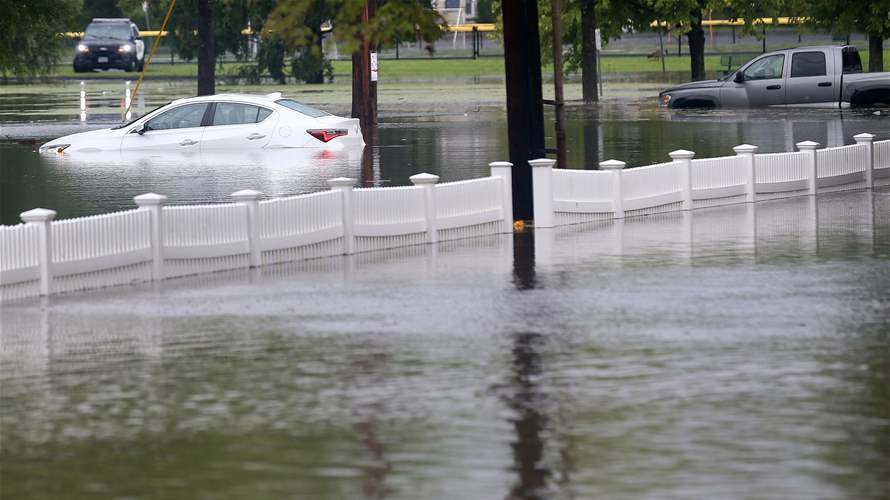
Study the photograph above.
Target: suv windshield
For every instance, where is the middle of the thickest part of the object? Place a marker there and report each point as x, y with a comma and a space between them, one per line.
302, 108
119, 31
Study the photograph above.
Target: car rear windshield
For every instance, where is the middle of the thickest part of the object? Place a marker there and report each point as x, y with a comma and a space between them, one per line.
119, 31
302, 108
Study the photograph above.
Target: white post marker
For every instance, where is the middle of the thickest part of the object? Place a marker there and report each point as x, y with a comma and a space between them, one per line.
344, 186
43, 218
154, 203
747, 151
83, 103
809, 148
251, 199
615, 166
504, 170
373, 66
542, 191
127, 101
868, 140
428, 183
684, 157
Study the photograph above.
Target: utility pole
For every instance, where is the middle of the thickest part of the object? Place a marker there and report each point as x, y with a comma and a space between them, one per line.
363, 100
525, 114
559, 100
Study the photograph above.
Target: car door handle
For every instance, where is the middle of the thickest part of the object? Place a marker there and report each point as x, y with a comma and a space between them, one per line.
773, 87
255, 136
188, 142
825, 84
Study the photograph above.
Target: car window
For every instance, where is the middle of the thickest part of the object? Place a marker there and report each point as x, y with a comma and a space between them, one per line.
851, 60
808, 64
186, 116
108, 30
234, 113
302, 108
768, 68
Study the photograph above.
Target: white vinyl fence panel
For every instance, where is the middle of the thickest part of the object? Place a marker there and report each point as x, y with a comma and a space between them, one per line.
300, 220
389, 211
205, 231
468, 203
652, 186
100, 242
882, 155
18, 254
583, 191
841, 165
719, 177
779, 172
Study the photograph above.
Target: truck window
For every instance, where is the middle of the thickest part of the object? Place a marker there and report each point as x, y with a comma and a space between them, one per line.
808, 64
852, 62
766, 68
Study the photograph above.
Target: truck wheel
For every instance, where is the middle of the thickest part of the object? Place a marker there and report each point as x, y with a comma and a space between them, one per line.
141, 65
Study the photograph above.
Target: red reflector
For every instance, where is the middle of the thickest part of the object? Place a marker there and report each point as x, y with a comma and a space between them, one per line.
326, 135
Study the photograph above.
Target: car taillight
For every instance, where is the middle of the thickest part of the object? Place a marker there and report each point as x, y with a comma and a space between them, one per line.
325, 135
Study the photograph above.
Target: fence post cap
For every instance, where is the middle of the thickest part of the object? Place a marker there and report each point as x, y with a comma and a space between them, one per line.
38, 215
341, 182
542, 162
612, 165
246, 195
149, 199
864, 137
807, 145
681, 154
505, 164
745, 148
424, 178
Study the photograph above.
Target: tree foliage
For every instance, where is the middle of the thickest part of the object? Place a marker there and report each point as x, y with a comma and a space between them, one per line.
29, 41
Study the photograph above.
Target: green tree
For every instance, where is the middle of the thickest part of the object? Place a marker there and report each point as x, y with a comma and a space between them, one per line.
29, 41
843, 16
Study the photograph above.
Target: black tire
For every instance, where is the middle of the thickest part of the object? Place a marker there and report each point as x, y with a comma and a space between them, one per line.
131, 67
141, 65
80, 69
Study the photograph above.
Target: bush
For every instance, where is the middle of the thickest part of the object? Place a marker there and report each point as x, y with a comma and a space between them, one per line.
310, 66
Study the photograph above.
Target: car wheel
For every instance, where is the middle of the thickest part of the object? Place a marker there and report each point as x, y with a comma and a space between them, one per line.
131, 67
141, 65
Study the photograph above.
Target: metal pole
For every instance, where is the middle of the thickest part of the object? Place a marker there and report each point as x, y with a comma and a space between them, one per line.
661, 49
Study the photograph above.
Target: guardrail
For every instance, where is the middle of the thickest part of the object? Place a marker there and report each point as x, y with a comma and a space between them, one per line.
564, 197
155, 242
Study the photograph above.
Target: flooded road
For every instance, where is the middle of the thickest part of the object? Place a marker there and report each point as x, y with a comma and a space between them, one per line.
455, 140
730, 353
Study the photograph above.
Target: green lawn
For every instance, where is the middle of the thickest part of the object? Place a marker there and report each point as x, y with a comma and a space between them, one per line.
434, 69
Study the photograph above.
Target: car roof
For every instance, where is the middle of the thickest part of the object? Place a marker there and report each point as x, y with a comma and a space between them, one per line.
111, 20
252, 98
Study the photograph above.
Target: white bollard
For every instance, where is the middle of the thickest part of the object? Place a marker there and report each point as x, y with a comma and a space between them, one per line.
42, 218
154, 203
428, 183
868, 140
504, 170
127, 102
542, 191
684, 157
344, 186
748, 151
251, 199
809, 148
615, 166
83, 103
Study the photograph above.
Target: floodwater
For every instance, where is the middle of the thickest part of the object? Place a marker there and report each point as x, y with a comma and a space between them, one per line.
738, 352
455, 139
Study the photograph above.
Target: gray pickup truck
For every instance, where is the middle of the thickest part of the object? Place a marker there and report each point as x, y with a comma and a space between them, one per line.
827, 76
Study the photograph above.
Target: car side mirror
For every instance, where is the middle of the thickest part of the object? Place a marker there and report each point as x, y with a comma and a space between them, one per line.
141, 129
739, 77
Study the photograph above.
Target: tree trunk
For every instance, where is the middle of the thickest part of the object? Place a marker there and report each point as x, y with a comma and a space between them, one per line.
589, 76
697, 46
206, 50
875, 52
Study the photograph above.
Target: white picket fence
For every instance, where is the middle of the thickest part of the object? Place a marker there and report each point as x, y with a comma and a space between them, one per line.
564, 197
154, 242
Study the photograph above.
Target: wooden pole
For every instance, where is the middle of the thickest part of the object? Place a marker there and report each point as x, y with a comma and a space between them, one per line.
558, 84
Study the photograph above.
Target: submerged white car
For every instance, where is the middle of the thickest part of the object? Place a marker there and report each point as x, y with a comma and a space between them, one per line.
219, 123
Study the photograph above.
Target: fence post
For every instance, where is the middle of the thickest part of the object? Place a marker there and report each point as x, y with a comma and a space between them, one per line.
154, 203
251, 199
868, 140
43, 218
344, 185
615, 167
809, 148
685, 159
504, 170
542, 191
748, 151
428, 183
